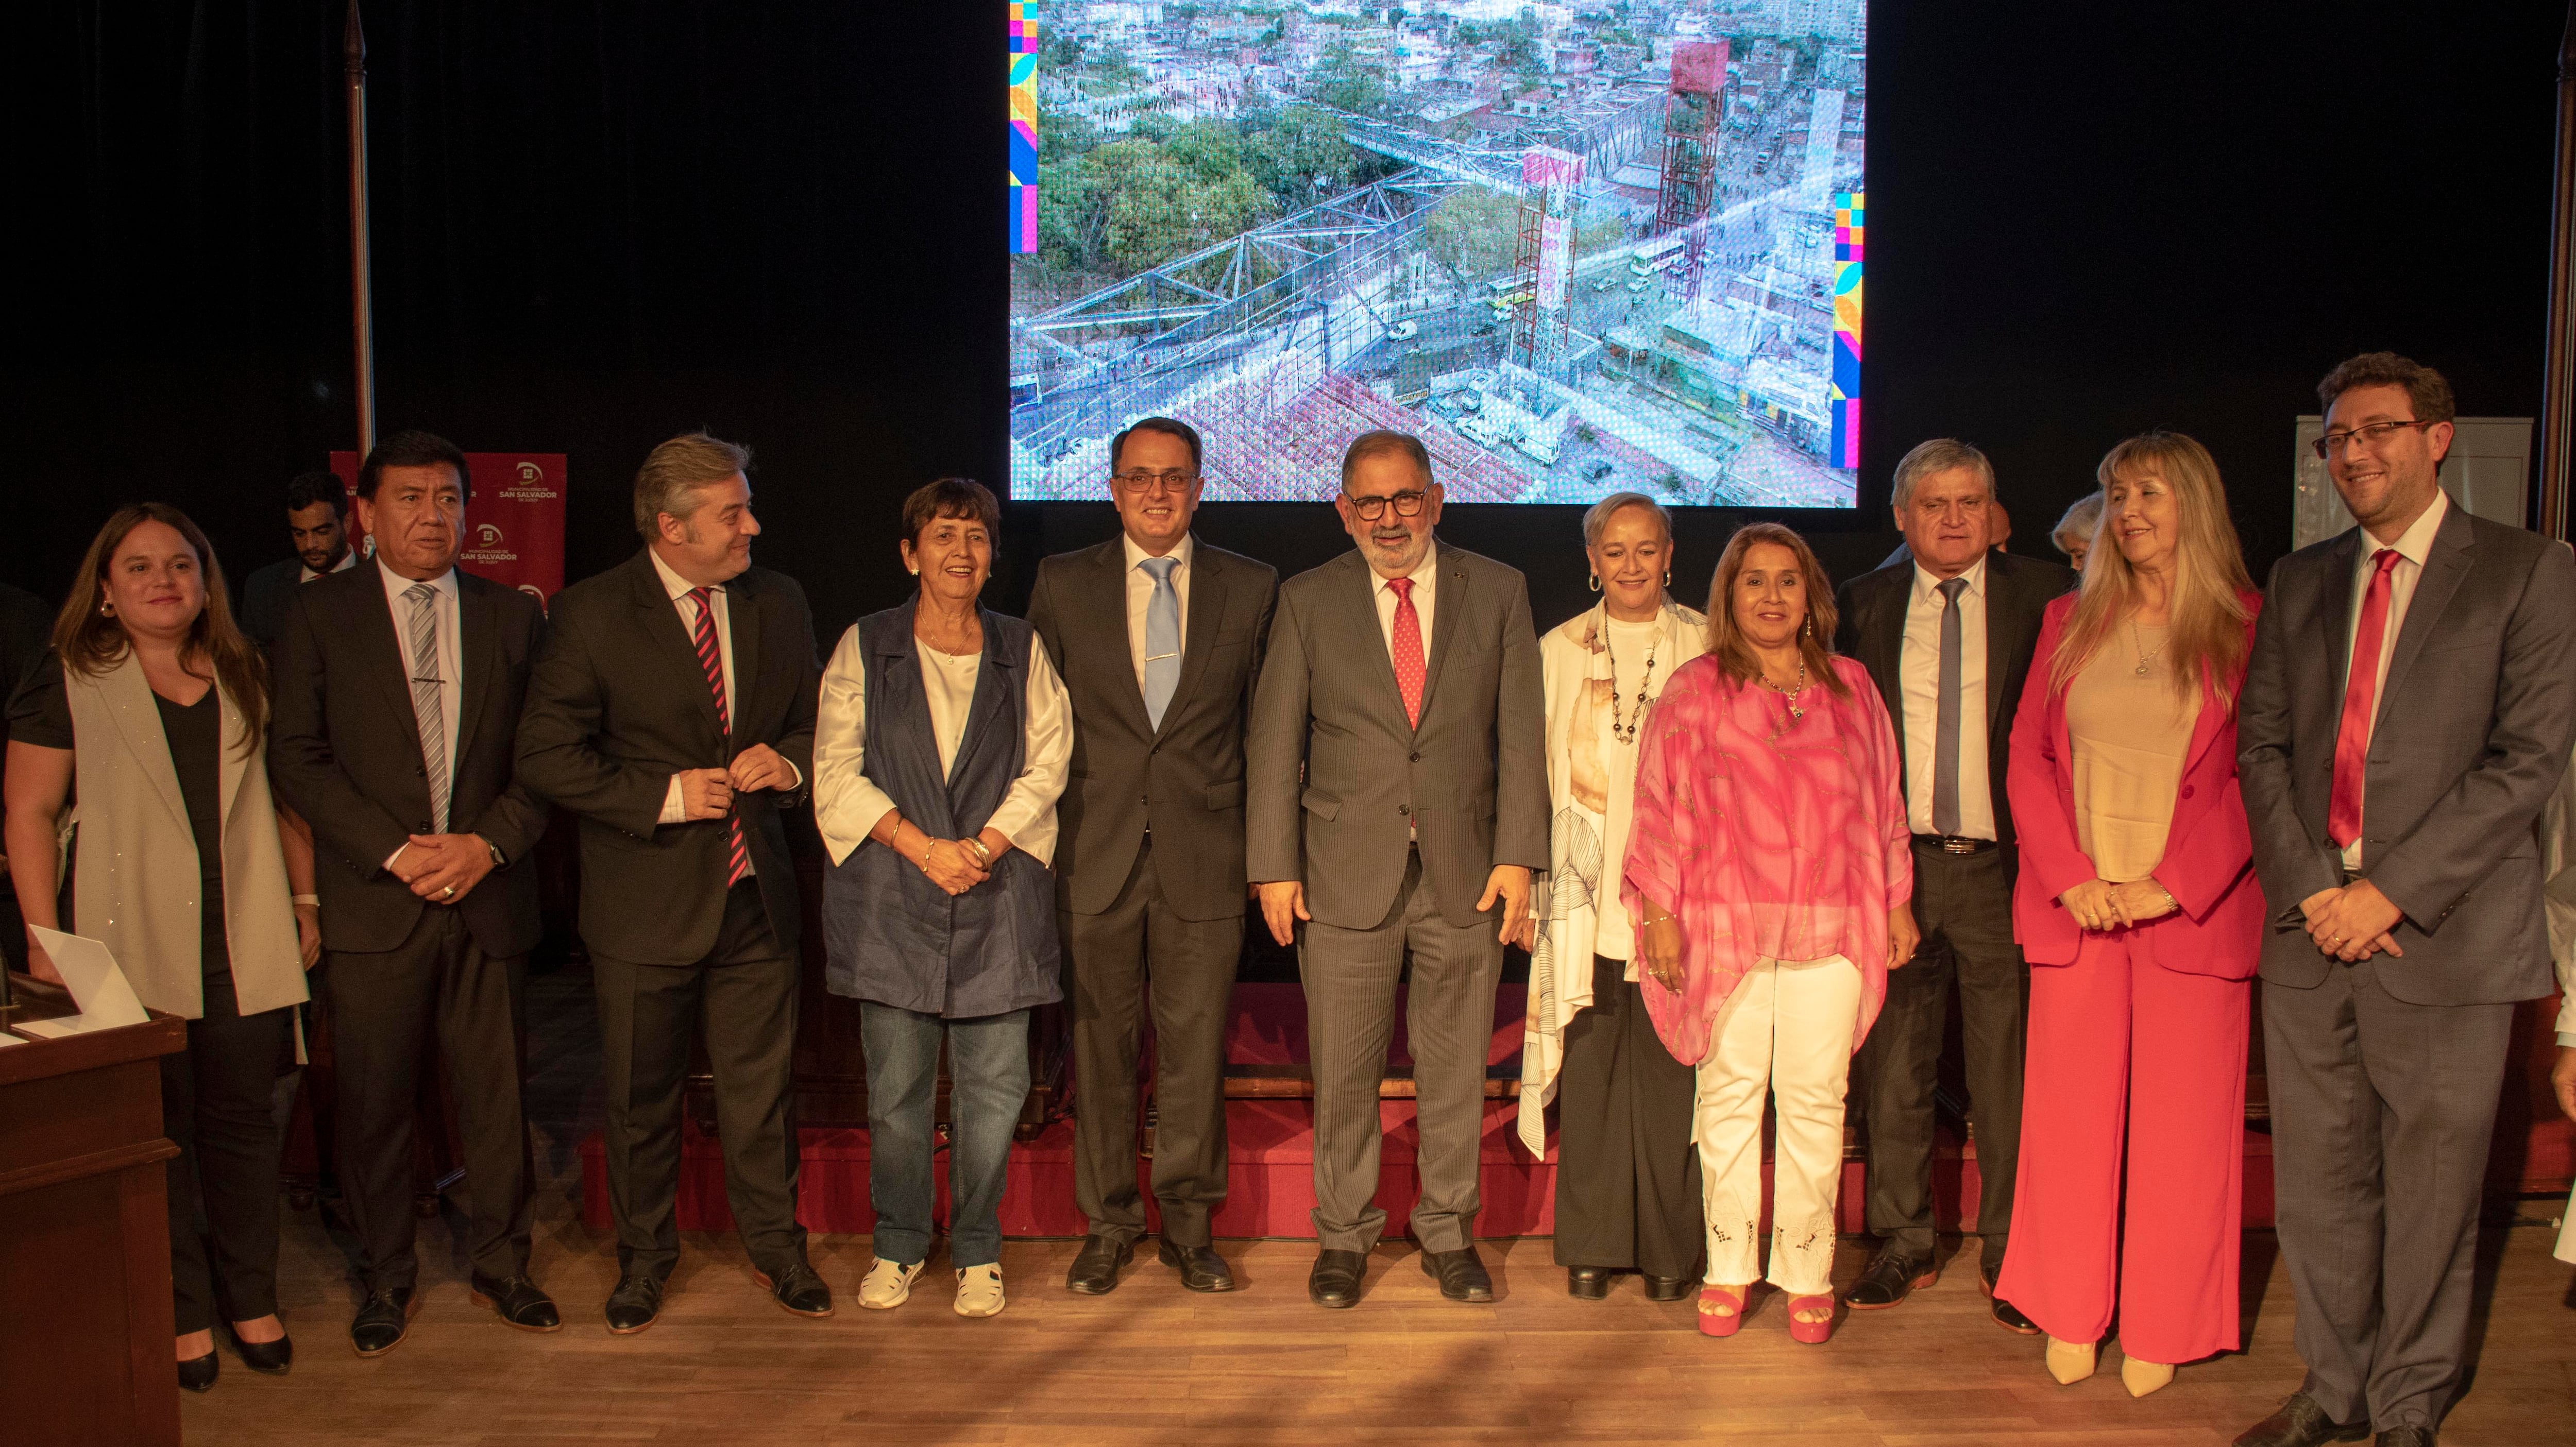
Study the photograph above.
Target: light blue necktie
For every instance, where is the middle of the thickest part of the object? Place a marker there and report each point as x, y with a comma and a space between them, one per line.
1162, 639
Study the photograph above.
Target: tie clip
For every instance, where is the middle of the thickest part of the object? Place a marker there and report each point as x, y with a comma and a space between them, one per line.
1159, 657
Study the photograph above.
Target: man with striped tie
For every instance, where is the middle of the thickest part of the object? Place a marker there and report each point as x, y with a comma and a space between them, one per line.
397, 693
673, 711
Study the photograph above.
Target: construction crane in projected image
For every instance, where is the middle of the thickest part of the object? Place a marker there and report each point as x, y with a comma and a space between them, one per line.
1694, 106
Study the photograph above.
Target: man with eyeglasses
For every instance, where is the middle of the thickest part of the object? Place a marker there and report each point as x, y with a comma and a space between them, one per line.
1158, 638
1398, 802
2407, 710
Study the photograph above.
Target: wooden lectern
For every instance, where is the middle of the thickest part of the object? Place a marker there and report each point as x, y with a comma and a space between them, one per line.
85, 1315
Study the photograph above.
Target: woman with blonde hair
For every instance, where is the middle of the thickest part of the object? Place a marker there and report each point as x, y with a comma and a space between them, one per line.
1771, 872
154, 705
1627, 1182
2138, 909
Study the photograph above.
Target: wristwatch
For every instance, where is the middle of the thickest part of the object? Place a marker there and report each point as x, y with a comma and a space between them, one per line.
499, 859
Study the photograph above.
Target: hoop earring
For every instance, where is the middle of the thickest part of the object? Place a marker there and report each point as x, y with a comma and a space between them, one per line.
1595, 581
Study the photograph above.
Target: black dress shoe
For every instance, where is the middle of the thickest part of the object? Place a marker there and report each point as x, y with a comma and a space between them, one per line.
518, 1302
634, 1305
1335, 1281
2407, 1437
383, 1322
1588, 1283
2007, 1315
1669, 1288
1095, 1267
1892, 1276
1461, 1274
798, 1288
270, 1357
1200, 1267
2300, 1423
197, 1374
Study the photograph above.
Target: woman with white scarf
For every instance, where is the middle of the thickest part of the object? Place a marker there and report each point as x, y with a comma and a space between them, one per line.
1627, 1178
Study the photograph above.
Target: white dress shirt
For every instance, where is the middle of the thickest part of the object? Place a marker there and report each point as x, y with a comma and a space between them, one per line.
448, 667
1426, 578
1919, 674
848, 804
2411, 547
1140, 595
675, 810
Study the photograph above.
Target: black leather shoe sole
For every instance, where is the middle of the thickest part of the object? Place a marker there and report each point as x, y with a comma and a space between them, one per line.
197, 1374
1669, 1288
1587, 1283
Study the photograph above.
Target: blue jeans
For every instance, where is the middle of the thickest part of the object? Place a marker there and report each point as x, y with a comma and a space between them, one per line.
988, 1081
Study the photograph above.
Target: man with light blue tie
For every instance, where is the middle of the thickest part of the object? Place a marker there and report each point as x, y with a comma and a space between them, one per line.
1158, 638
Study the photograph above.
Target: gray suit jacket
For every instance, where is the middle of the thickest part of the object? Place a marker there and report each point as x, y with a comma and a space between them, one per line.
1337, 775
1184, 780
2474, 728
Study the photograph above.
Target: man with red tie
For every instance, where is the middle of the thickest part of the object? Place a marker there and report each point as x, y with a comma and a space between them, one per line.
2407, 710
673, 711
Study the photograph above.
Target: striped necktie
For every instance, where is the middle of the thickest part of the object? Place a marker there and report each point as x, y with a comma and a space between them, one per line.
711, 659
428, 709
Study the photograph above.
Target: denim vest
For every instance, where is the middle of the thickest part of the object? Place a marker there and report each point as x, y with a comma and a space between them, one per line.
890, 934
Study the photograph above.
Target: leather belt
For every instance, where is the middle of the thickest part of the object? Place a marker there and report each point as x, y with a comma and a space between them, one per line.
1952, 843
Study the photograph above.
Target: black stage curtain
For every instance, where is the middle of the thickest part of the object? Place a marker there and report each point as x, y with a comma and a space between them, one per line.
600, 224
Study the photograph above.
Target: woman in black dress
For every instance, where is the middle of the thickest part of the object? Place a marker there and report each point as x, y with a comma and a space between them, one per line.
152, 708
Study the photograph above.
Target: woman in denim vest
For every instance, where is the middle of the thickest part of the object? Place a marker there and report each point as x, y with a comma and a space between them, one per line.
939, 750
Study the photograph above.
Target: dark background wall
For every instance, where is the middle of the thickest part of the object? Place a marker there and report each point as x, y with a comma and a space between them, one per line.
598, 225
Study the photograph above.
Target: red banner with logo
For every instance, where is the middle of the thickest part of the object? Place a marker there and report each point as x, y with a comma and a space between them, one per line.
514, 522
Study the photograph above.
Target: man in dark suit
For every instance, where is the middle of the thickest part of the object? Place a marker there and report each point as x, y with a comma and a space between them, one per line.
317, 519
673, 711
1397, 778
2407, 710
396, 714
26, 628
1948, 636
1158, 639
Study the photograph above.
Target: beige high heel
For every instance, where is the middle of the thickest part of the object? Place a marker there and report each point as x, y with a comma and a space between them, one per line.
2141, 1376
2070, 1361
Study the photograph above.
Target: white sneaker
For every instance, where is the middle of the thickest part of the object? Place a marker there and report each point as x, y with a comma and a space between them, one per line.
887, 1285
979, 1291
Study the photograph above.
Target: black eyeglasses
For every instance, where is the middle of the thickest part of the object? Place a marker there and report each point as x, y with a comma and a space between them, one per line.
2373, 433
1370, 509
1148, 481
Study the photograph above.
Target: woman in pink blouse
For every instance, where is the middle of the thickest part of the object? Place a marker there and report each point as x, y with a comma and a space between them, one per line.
1769, 868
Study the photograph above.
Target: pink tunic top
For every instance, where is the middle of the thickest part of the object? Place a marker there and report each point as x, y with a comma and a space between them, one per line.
1771, 839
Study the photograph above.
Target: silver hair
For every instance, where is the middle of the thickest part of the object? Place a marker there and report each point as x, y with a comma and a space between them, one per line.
1939, 455
2080, 520
1596, 520
672, 473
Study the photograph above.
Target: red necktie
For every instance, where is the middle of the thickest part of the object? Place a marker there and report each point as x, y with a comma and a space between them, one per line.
1407, 649
2360, 696
711, 658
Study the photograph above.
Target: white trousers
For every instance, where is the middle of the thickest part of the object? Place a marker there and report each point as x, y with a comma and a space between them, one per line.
1785, 1032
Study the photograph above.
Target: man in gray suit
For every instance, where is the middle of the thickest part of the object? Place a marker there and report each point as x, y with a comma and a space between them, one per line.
2407, 710
1157, 637
1397, 801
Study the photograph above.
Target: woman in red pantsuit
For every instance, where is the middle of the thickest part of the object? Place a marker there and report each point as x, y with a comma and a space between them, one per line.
2140, 914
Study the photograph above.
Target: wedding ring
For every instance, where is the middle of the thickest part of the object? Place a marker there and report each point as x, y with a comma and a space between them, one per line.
449, 890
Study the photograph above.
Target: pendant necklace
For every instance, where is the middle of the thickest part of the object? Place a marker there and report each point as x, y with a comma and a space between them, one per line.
1625, 732
1796, 712
2146, 660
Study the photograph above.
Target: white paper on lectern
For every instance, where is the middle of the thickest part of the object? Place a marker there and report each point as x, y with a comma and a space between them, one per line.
90, 972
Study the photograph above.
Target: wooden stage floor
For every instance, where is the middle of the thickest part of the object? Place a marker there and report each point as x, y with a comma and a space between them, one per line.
1152, 1363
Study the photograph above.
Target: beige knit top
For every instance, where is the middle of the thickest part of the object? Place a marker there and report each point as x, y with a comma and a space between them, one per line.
2130, 732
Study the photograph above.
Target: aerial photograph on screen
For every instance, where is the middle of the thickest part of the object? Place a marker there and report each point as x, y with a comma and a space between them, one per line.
1578, 248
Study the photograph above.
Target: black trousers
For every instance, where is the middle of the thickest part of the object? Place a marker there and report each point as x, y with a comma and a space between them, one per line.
1963, 904
223, 1183
2382, 1112
648, 1016
1133, 957
386, 1008
1627, 1174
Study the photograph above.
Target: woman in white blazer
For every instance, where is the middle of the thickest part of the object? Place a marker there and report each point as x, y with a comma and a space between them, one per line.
1627, 1180
151, 712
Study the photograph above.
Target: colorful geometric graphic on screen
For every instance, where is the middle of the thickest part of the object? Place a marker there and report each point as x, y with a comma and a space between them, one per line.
1024, 130
1844, 396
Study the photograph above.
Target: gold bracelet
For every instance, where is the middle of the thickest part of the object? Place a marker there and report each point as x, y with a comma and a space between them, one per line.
981, 852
